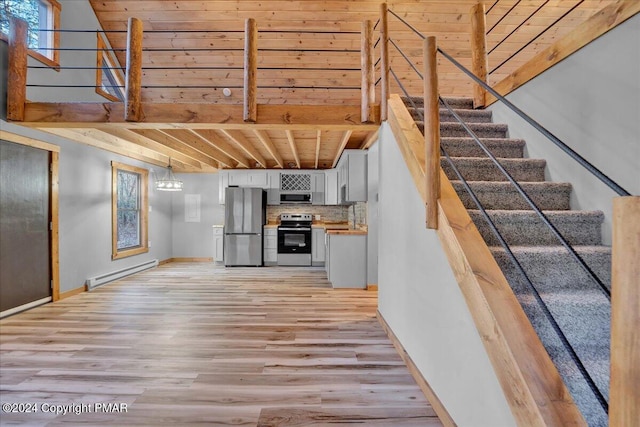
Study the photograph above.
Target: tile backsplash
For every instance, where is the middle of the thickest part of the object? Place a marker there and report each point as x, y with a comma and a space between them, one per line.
327, 213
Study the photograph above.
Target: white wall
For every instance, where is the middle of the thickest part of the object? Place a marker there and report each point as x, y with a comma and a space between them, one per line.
591, 101
195, 239
420, 299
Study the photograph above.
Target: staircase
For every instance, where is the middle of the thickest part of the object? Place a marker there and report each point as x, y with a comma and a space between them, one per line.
576, 302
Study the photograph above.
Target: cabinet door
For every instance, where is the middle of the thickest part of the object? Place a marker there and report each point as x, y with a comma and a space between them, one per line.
317, 188
239, 178
223, 183
357, 177
258, 179
218, 242
274, 180
317, 248
331, 187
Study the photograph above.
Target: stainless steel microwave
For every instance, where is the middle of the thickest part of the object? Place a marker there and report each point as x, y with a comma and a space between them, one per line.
295, 197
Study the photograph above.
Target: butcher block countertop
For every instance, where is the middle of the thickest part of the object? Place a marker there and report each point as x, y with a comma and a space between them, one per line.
348, 232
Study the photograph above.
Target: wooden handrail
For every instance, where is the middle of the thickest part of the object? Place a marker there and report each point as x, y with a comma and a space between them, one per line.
479, 58
384, 61
133, 79
17, 72
250, 111
431, 131
366, 61
624, 401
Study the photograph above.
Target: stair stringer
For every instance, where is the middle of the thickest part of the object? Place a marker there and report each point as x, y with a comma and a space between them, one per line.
530, 381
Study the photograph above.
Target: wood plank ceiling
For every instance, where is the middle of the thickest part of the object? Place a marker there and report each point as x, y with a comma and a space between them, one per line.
308, 54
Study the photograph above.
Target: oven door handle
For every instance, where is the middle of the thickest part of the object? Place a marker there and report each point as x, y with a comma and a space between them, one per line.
294, 229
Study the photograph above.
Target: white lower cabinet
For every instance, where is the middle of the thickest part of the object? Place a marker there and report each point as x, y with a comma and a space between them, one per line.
270, 253
218, 244
317, 246
347, 260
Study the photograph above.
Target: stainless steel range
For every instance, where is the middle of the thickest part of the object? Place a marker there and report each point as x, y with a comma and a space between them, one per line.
294, 239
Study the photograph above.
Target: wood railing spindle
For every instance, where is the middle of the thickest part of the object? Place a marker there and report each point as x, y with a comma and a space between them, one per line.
133, 82
384, 62
368, 82
17, 69
479, 57
431, 131
250, 111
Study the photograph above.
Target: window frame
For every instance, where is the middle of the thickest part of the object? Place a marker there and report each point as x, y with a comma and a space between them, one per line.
53, 37
143, 211
103, 53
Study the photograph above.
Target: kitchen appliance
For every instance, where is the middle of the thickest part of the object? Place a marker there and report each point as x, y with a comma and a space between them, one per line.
302, 197
294, 239
245, 214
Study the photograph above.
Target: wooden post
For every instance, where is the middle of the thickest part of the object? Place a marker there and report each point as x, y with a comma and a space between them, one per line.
250, 113
17, 72
366, 66
133, 84
431, 131
384, 62
624, 402
479, 58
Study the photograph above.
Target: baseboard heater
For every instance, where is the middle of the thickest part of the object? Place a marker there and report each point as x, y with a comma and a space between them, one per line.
94, 282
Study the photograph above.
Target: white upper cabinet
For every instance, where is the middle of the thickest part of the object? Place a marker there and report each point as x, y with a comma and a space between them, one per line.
352, 176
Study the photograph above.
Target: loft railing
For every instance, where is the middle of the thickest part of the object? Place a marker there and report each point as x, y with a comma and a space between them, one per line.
360, 80
620, 281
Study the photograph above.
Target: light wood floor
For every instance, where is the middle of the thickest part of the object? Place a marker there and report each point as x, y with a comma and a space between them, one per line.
194, 344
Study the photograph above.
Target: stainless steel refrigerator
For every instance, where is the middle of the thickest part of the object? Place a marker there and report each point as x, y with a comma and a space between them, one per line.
245, 213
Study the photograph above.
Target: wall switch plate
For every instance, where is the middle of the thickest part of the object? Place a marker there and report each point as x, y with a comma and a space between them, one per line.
317, 217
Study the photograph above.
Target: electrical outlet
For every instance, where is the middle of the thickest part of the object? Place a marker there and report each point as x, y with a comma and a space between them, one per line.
150, 209
149, 244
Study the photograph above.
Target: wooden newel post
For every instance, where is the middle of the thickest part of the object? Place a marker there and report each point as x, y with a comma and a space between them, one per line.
250, 111
366, 67
17, 72
479, 53
624, 401
384, 62
431, 130
133, 83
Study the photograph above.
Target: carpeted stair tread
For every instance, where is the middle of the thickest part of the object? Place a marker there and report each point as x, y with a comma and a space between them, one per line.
453, 102
503, 195
525, 228
482, 130
548, 266
469, 116
483, 169
467, 147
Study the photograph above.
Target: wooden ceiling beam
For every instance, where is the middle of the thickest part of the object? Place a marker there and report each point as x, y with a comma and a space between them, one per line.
145, 142
92, 137
343, 144
216, 140
238, 138
196, 116
171, 142
292, 144
318, 141
268, 144
369, 140
193, 140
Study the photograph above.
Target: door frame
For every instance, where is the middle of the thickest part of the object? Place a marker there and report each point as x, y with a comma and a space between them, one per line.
54, 156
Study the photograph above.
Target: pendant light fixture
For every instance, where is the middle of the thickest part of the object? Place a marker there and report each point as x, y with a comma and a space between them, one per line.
169, 182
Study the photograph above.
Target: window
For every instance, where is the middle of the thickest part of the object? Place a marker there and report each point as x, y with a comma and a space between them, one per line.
129, 206
109, 75
42, 16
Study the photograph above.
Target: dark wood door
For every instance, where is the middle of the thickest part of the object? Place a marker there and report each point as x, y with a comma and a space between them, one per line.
25, 260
